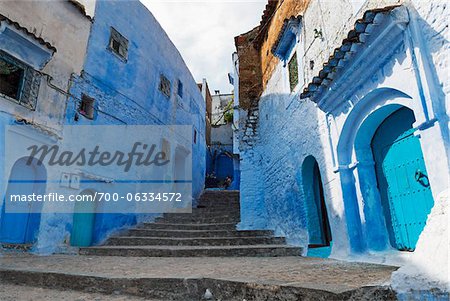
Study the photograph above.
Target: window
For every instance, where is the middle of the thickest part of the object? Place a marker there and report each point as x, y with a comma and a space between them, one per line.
87, 107
18, 81
293, 72
118, 44
180, 88
165, 149
11, 78
195, 136
164, 85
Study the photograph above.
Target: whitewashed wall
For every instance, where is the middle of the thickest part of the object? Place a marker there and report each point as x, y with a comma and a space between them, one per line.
289, 130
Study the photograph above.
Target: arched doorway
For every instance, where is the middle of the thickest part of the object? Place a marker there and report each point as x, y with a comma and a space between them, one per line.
364, 213
83, 220
20, 223
318, 224
402, 179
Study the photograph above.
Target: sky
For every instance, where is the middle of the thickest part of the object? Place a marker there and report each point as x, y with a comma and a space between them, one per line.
204, 31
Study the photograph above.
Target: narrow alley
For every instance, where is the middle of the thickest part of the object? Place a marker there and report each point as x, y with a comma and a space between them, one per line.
224, 150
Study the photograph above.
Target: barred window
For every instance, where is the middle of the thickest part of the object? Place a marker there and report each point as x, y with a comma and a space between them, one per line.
164, 85
293, 72
18, 81
118, 44
87, 106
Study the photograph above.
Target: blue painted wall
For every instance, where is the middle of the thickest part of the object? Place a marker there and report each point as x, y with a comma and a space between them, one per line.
272, 196
126, 92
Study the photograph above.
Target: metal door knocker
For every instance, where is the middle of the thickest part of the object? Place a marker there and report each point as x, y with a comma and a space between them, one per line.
422, 178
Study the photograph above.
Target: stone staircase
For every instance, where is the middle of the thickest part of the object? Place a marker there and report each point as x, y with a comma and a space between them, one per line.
209, 231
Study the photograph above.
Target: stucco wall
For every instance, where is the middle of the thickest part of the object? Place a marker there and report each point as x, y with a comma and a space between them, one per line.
62, 25
287, 130
222, 134
127, 92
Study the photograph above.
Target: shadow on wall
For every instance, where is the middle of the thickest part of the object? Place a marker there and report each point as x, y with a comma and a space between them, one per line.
434, 45
288, 131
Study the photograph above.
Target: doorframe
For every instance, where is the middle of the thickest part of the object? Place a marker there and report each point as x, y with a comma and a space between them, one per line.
308, 183
366, 224
39, 187
94, 214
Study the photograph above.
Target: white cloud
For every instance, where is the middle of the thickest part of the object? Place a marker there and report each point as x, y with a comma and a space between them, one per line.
204, 33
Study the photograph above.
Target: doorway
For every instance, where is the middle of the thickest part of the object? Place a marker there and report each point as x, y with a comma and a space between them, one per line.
20, 224
318, 224
83, 220
402, 179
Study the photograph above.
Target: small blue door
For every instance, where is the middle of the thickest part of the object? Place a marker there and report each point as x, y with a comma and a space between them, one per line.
319, 231
21, 224
83, 222
402, 179
224, 166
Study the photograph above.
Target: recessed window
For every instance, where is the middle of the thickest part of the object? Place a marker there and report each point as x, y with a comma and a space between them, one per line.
87, 107
293, 72
11, 78
165, 149
195, 136
180, 88
118, 44
164, 85
18, 81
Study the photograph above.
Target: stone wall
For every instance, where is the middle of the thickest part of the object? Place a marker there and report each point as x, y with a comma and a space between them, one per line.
250, 87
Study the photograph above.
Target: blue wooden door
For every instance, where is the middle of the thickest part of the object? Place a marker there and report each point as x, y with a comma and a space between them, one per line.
224, 166
402, 179
21, 224
319, 231
83, 223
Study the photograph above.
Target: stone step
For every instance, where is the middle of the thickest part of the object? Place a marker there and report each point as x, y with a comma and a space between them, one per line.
194, 241
169, 226
191, 251
196, 220
217, 209
219, 202
196, 214
178, 288
197, 233
220, 193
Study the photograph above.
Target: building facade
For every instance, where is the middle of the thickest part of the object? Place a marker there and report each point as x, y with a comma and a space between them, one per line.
41, 45
99, 70
344, 138
134, 79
